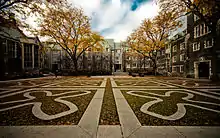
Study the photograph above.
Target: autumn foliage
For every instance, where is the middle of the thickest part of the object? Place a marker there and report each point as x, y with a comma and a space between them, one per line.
70, 28
208, 12
152, 34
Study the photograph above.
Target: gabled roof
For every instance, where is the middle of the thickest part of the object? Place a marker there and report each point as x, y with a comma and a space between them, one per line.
9, 29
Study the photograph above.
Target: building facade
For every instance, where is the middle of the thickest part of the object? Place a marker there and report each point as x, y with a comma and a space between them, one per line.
18, 52
90, 61
200, 45
190, 52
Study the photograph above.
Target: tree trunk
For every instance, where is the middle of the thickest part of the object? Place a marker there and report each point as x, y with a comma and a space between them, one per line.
75, 62
154, 66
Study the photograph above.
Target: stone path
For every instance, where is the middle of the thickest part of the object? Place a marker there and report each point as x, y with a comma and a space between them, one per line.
68, 95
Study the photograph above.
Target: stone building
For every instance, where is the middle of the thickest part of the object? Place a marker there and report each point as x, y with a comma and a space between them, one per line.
54, 57
18, 52
161, 61
90, 61
200, 44
178, 54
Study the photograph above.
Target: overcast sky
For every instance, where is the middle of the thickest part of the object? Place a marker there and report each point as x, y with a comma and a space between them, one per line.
117, 18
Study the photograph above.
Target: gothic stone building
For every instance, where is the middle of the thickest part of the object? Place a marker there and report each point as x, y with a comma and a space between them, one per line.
200, 48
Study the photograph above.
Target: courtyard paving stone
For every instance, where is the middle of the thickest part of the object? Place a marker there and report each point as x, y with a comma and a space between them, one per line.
90, 118
128, 120
199, 131
64, 106
109, 131
156, 132
42, 132
145, 106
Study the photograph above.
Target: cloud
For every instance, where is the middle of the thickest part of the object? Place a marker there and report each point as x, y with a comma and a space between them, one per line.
132, 21
114, 19
117, 18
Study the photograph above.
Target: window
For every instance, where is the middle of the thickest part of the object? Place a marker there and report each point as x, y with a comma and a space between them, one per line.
36, 49
206, 29
181, 68
196, 31
128, 65
196, 47
182, 57
174, 48
208, 43
158, 53
163, 52
12, 49
168, 56
174, 69
201, 30
182, 46
174, 58
27, 56
134, 64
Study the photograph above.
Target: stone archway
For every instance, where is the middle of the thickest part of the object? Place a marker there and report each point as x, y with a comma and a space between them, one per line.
202, 69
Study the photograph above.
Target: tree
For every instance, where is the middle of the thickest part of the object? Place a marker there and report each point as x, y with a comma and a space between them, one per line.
70, 29
7, 5
208, 11
151, 36
19, 10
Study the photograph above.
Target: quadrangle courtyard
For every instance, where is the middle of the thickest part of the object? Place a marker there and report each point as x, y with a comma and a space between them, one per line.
110, 106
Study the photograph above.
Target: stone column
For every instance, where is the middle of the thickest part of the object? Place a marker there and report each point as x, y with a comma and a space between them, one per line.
22, 55
33, 56
39, 57
196, 70
15, 50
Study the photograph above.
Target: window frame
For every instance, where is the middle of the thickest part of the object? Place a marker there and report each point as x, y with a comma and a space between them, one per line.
174, 68
174, 48
182, 57
182, 46
174, 57
207, 43
197, 46
181, 68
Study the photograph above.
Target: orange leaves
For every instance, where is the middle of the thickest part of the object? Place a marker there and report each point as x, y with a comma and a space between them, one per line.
70, 28
207, 10
152, 34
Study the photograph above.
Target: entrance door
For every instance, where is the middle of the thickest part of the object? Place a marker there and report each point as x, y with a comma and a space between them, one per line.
203, 70
117, 67
54, 67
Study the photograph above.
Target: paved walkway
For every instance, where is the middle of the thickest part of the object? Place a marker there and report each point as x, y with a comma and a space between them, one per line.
88, 126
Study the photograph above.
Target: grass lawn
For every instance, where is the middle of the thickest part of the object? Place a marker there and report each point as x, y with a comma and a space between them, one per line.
109, 115
24, 116
193, 117
81, 83
138, 83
